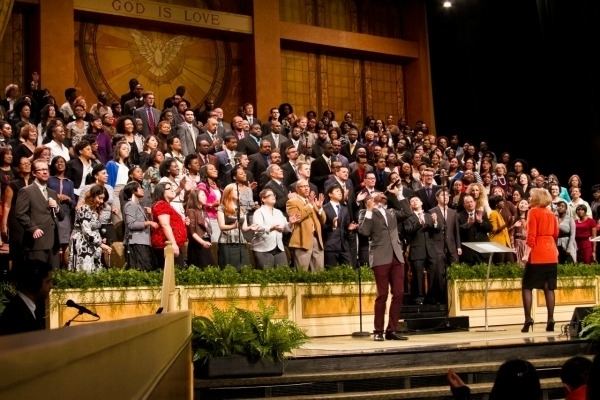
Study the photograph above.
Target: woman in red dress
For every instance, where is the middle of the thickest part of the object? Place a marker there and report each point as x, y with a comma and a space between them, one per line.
171, 226
585, 229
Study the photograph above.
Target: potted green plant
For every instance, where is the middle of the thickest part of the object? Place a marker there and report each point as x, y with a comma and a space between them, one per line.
591, 326
237, 342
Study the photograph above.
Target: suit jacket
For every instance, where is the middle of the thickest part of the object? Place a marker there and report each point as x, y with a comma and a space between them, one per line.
214, 148
304, 231
429, 201
289, 175
381, 180
351, 156
474, 232
187, 138
142, 114
257, 165
224, 166
283, 142
223, 129
336, 239
17, 318
449, 235
32, 212
384, 240
319, 172
211, 160
281, 195
418, 237
131, 105
248, 145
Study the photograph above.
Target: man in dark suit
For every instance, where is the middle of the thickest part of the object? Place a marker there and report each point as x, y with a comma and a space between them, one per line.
446, 241
474, 226
386, 259
26, 310
289, 168
189, 134
320, 169
129, 95
223, 128
251, 143
211, 135
428, 191
38, 212
278, 187
381, 176
278, 141
248, 109
203, 154
261, 160
338, 224
149, 115
349, 149
422, 255
226, 160
448, 220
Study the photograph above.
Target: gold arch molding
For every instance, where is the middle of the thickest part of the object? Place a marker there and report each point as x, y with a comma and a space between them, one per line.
112, 55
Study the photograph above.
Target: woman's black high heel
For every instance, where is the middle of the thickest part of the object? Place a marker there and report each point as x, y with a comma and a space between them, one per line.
528, 324
550, 326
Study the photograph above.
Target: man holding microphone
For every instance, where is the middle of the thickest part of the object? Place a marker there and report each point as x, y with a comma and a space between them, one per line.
37, 210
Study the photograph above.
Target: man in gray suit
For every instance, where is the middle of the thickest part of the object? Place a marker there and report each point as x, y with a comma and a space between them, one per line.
380, 224
37, 210
189, 134
149, 115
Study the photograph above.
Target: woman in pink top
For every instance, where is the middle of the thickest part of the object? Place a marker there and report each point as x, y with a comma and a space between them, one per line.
541, 267
209, 196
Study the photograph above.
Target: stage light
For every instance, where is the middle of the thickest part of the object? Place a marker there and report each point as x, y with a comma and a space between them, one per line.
447, 4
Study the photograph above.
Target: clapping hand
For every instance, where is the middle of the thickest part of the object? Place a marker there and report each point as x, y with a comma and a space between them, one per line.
318, 202
292, 219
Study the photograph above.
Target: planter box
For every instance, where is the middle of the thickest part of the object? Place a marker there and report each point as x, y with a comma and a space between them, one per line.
319, 309
237, 366
505, 305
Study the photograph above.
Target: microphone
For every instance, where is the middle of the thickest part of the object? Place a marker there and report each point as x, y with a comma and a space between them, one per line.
80, 308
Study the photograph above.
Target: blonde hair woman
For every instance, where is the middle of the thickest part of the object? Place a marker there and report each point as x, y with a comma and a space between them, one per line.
481, 199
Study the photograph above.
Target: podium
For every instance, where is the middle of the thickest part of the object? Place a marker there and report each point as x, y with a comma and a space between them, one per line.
487, 248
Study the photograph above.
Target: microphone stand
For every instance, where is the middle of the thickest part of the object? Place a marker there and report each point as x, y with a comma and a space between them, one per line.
360, 332
68, 323
239, 206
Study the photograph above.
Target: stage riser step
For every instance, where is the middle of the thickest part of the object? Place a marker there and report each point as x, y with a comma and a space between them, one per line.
429, 357
552, 390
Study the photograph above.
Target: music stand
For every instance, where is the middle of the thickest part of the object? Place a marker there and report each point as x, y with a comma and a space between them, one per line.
488, 248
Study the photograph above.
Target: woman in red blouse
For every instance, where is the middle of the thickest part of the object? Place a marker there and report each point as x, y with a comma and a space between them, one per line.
541, 267
171, 225
585, 229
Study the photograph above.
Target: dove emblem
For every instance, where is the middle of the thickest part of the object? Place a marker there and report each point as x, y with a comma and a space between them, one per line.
158, 58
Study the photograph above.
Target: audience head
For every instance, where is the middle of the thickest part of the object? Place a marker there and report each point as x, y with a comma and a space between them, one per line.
574, 372
516, 380
34, 280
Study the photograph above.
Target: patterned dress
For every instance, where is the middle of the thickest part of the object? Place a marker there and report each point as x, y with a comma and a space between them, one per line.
85, 250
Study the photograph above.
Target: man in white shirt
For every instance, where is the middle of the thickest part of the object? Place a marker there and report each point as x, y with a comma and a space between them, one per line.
56, 145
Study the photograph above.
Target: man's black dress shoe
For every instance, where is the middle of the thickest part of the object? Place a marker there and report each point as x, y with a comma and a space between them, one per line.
394, 336
378, 337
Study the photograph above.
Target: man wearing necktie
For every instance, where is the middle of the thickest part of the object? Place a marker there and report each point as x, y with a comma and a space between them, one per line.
38, 212
338, 224
427, 192
306, 239
380, 225
148, 114
419, 227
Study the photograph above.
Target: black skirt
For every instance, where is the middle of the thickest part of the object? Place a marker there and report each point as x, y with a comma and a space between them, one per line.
537, 276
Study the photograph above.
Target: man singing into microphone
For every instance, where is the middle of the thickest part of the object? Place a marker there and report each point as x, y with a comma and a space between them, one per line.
37, 210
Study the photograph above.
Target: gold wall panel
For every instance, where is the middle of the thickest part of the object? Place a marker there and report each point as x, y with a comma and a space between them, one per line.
384, 88
475, 300
11, 48
344, 87
298, 11
571, 296
203, 306
110, 311
299, 76
341, 305
108, 56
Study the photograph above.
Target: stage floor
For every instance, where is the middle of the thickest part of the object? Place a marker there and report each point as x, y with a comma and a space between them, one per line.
508, 335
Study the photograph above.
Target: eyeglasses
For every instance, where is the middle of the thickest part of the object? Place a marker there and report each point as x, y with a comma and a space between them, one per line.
42, 169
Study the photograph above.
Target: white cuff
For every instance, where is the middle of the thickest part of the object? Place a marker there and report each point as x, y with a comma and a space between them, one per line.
368, 214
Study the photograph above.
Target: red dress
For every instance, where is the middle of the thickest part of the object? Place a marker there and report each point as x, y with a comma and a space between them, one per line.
157, 237
583, 233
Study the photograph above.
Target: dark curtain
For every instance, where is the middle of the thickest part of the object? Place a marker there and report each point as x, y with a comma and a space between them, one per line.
518, 74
